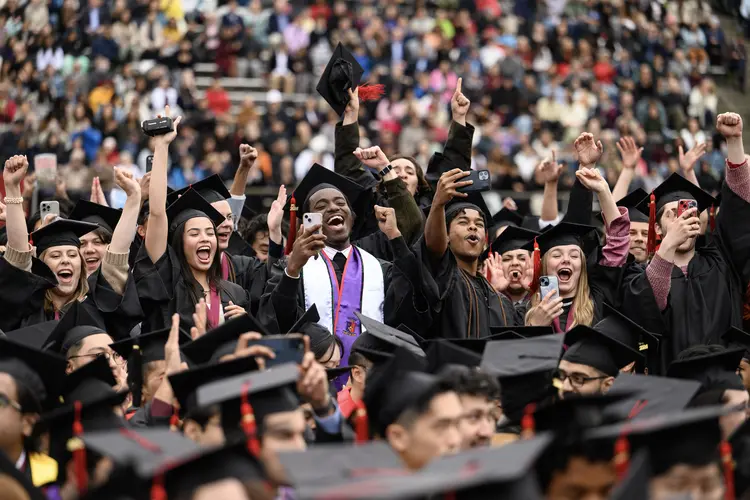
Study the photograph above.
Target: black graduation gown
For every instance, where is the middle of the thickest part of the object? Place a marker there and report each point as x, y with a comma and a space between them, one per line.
457, 305
250, 274
284, 301
163, 291
703, 305
22, 299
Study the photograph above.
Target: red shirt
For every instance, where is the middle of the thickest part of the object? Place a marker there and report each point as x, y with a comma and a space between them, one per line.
346, 403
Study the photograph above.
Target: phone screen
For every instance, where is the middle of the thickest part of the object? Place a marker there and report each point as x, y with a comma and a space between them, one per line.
288, 349
685, 205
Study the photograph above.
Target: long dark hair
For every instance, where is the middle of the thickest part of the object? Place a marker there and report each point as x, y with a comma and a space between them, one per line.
214, 272
423, 187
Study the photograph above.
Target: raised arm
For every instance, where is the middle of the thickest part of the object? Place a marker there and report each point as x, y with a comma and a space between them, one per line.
458, 146
346, 142
435, 232
550, 174
688, 160
124, 232
158, 225
589, 153
248, 155
15, 220
631, 155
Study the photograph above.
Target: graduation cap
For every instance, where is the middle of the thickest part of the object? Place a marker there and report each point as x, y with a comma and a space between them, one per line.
309, 316
576, 412
41, 372
60, 232
268, 391
334, 373
238, 246
442, 353
627, 332
143, 349
35, 335
651, 395
414, 335
525, 369
715, 370
734, 337
564, 233
222, 340
506, 217
212, 189
675, 188
248, 212
189, 206
15, 484
185, 383
635, 486
513, 238
74, 326
632, 202
525, 332
94, 213
474, 201
477, 345
587, 346
341, 74
387, 337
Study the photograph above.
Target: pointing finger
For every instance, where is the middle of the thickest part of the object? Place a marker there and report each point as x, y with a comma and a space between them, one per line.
458, 86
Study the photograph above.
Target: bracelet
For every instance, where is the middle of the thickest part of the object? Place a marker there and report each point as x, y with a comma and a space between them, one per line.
385, 171
9, 200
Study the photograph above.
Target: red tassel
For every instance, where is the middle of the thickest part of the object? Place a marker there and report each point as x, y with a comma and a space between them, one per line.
158, 491
361, 423
537, 262
249, 426
528, 425
622, 456
174, 421
371, 92
712, 218
651, 242
728, 465
79, 451
292, 226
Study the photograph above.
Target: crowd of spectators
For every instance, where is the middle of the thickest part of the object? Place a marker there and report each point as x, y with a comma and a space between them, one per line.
78, 76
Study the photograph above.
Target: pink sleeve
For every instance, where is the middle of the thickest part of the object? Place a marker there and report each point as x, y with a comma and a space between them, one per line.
659, 274
615, 251
738, 180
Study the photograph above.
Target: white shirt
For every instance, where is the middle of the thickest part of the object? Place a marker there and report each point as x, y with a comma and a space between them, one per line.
331, 252
21, 460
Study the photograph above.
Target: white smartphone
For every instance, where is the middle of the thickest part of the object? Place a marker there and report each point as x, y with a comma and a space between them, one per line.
547, 284
49, 208
312, 219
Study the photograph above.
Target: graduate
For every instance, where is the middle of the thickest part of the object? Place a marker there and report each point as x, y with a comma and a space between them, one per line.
692, 294
638, 225
237, 263
734, 337
644, 346
94, 244
34, 290
180, 261
508, 265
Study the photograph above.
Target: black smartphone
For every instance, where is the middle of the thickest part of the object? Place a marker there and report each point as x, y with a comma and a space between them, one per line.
149, 163
481, 180
288, 348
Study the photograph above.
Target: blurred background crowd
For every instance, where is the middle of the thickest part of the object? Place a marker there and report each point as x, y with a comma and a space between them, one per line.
78, 76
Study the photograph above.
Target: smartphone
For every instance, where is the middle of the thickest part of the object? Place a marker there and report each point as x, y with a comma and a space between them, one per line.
481, 180
49, 207
685, 205
312, 219
547, 284
149, 163
288, 348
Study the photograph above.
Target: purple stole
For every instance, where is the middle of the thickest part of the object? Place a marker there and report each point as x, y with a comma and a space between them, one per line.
568, 322
347, 299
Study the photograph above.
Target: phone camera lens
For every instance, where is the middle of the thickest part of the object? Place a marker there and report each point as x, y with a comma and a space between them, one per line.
544, 281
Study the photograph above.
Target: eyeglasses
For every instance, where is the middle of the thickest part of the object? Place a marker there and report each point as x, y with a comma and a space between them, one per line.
6, 402
577, 379
119, 360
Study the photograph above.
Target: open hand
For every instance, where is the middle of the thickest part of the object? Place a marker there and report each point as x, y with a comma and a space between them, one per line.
629, 151
589, 151
200, 317
592, 180
549, 169
493, 270
145, 183
688, 160
276, 212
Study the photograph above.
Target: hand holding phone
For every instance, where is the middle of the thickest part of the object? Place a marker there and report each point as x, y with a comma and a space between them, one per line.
49, 208
312, 219
481, 180
685, 205
548, 284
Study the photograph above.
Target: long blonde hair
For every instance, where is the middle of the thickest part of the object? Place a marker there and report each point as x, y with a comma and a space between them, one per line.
80, 293
583, 306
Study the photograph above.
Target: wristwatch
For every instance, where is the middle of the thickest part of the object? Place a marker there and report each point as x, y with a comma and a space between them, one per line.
385, 171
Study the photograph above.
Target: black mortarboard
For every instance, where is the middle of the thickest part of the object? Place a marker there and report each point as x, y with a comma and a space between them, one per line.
525, 369
513, 238
185, 383
564, 233
94, 213
222, 340
441, 353
237, 246
587, 346
248, 212
665, 436
391, 336
212, 189
506, 217
16, 485
622, 329
418, 338
61, 232
437, 166
716, 370
676, 188
342, 73
75, 325
526, 332
474, 201
651, 395
188, 206
319, 177
35, 335
635, 485
334, 373
39, 371
575, 412
269, 391
394, 386
309, 316
734, 337
632, 202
